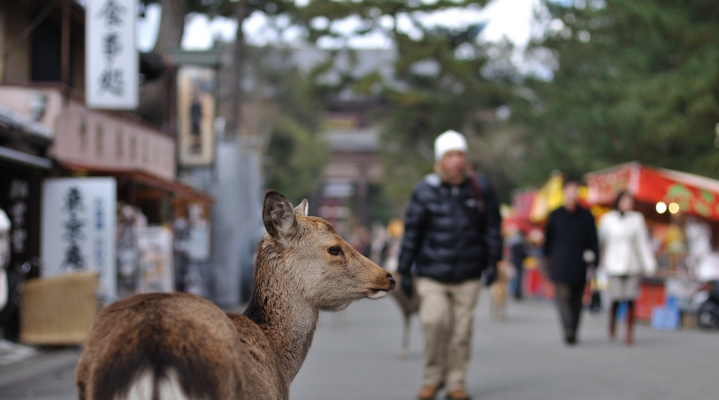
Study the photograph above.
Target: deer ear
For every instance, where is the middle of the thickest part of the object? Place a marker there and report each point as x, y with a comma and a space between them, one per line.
278, 216
303, 208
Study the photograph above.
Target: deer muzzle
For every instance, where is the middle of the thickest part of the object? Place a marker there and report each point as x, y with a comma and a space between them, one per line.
386, 287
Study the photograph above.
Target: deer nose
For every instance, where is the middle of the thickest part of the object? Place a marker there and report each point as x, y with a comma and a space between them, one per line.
392, 281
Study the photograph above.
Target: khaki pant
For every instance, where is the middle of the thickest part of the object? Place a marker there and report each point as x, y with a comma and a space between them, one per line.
447, 314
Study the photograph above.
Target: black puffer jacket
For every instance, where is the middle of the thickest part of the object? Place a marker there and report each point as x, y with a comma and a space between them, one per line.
446, 235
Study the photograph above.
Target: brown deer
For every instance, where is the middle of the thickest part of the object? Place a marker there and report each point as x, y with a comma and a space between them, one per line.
180, 346
387, 254
409, 307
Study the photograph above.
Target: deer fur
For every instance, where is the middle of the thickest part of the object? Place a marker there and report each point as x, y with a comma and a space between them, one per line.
180, 346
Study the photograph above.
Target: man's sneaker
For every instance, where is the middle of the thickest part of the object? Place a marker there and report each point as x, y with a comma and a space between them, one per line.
428, 392
458, 394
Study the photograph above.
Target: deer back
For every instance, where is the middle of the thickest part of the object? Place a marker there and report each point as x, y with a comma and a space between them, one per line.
149, 332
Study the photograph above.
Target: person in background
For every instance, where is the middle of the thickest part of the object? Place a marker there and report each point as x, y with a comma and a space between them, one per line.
626, 254
452, 237
570, 245
517, 255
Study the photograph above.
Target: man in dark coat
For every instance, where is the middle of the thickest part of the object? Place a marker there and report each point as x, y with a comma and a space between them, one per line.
515, 241
452, 237
570, 245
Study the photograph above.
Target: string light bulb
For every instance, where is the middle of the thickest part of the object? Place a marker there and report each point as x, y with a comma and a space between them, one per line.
673, 208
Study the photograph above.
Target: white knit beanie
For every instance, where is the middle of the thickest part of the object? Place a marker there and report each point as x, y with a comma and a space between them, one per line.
449, 140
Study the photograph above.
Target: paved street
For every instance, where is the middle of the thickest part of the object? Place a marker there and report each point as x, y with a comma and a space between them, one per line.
356, 356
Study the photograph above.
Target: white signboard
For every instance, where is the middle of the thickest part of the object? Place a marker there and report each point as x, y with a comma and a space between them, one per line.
78, 228
112, 65
156, 266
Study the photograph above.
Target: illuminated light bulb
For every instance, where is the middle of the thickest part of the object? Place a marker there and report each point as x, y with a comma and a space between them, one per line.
661, 207
673, 208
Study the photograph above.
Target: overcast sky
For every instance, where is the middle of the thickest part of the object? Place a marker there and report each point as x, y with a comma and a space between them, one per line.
510, 18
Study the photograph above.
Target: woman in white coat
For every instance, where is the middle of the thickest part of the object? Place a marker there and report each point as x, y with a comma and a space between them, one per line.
626, 256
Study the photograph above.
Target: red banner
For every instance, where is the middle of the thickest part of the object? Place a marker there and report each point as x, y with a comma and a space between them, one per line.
651, 185
604, 186
654, 186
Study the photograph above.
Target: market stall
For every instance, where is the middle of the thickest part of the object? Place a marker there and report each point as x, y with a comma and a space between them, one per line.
682, 215
525, 218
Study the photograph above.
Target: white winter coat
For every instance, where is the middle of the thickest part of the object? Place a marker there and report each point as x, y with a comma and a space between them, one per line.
627, 250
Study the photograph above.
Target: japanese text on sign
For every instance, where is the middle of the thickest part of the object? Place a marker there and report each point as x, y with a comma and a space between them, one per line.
112, 57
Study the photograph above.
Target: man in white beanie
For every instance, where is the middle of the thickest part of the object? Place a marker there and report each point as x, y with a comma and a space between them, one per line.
452, 237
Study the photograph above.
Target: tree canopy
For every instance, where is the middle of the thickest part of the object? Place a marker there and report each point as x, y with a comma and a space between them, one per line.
443, 79
623, 80
631, 80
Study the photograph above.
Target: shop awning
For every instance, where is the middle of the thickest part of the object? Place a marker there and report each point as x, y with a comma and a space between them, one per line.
13, 120
124, 176
176, 187
694, 194
26, 159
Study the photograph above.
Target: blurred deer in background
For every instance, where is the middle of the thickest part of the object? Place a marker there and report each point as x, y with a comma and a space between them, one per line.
387, 254
499, 291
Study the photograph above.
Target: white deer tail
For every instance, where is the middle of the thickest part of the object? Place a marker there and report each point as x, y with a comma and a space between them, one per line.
167, 387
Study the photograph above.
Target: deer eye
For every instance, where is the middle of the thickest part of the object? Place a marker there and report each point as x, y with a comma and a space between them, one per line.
335, 250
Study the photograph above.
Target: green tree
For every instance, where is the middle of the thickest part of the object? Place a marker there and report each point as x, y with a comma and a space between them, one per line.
631, 80
172, 23
153, 95
295, 153
444, 79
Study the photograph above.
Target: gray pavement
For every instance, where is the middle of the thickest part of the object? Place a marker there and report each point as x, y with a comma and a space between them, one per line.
355, 355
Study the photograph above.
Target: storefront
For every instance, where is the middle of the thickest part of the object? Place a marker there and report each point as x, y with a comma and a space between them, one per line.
23, 144
115, 211
163, 227
682, 215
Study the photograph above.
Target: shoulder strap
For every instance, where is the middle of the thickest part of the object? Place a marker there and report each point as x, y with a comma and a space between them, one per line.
478, 192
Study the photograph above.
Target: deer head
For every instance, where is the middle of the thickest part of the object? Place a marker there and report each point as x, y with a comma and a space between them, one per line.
318, 264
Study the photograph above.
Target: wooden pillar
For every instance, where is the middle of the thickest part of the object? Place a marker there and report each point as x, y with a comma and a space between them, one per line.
65, 43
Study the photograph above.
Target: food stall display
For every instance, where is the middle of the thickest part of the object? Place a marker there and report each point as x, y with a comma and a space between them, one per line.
682, 215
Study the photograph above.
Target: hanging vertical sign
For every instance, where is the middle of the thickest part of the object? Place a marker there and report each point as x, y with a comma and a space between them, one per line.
111, 58
78, 228
196, 116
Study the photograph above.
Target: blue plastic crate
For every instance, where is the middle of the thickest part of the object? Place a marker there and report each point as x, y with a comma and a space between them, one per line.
672, 302
666, 318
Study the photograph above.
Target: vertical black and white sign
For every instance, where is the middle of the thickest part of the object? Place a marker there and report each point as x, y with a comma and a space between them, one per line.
78, 228
112, 65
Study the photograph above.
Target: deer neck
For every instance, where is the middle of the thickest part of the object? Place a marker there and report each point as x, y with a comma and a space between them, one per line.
286, 318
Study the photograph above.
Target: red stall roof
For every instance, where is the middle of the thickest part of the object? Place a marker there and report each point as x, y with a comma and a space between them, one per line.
696, 195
